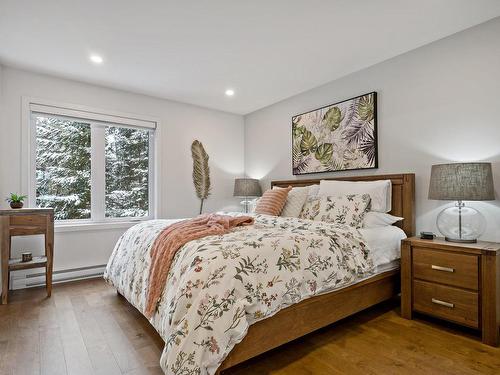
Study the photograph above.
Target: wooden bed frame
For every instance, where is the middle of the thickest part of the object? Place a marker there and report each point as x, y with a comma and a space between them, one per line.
318, 312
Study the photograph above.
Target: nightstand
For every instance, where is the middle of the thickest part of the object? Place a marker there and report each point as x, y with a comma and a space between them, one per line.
26, 222
457, 282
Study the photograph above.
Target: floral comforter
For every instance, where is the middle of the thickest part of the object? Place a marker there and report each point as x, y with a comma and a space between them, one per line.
219, 285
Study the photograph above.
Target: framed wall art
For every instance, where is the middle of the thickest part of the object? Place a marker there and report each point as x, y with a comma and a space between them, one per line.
338, 137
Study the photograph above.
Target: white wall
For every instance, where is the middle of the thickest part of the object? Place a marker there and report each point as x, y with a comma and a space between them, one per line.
221, 133
438, 103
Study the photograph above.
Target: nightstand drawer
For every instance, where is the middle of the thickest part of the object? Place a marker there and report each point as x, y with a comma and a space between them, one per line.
25, 225
446, 267
457, 305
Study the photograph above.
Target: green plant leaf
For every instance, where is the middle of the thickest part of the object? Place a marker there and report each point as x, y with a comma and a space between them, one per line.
324, 153
297, 130
365, 108
299, 162
337, 165
332, 118
308, 143
15, 198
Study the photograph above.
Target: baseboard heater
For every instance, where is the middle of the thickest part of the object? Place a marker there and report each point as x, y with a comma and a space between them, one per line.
31, 280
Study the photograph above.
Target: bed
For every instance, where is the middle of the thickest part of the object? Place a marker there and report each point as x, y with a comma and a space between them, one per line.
254, 328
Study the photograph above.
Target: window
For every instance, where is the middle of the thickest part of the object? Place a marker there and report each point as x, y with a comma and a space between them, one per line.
90, 170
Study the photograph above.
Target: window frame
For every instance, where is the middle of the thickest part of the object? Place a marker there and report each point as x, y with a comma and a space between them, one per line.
98, 120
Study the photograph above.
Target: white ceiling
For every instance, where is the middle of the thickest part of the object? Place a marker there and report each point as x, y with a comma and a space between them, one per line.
193, 50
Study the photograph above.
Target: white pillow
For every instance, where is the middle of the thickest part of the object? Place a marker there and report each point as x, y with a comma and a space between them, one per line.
295, 201
379, 191
313, 191
379, 219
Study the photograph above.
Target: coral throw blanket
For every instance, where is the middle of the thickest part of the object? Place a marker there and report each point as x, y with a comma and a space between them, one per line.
172, 238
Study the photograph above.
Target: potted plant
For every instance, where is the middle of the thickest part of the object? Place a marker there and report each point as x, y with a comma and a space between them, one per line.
16, 201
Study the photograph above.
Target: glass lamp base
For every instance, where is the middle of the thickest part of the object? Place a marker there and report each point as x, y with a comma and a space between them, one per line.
461, 224
248, 205
460, 240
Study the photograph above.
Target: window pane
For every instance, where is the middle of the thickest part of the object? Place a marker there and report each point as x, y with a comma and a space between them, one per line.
127, 172
63, 166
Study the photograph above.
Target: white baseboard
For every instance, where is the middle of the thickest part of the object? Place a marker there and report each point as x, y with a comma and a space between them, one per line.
21, 280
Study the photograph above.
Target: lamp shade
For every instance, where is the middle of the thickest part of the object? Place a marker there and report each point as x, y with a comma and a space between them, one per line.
462, 182
247, 187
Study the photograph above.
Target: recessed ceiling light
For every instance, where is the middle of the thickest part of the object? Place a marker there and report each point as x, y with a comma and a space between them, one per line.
96, 59
229, 92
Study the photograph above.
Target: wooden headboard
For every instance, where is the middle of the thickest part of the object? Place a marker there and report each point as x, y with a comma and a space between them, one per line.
403, 194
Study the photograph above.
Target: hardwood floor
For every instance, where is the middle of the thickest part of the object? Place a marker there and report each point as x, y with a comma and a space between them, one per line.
86, 328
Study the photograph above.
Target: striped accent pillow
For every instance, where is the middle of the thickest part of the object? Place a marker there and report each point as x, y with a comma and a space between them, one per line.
272, 201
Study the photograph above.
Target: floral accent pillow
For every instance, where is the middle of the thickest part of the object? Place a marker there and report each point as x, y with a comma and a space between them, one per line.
346, 209
310, 209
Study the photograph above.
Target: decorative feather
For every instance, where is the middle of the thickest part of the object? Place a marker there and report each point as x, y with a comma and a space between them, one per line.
201, 172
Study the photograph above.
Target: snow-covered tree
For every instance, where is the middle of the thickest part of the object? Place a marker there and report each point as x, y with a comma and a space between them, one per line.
63, 167
127, 169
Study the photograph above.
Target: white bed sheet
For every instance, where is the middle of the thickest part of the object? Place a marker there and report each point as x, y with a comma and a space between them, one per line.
384, 243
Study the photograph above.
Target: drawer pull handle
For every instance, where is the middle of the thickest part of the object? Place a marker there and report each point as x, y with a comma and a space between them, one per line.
443, 303
445, 269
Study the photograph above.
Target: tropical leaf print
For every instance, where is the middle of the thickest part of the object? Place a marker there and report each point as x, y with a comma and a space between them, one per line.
365, 108
332, 118
297, 130
360, 132
368, 147
338, 165
356, 132
299, 161
324, 153
308, 143
334, 138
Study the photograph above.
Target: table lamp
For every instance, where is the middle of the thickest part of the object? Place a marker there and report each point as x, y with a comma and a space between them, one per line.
461, 182
247, 188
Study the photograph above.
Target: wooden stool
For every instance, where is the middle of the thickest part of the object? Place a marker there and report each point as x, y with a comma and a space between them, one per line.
26, 222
